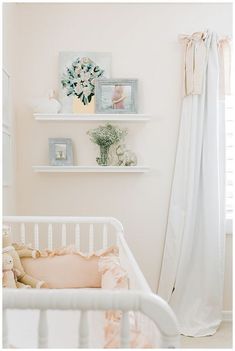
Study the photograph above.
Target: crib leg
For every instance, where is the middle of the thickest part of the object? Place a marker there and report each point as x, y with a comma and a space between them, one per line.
83, 330
125, 331
42, 330
5, 330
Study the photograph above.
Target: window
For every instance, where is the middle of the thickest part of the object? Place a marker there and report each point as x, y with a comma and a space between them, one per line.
230, 159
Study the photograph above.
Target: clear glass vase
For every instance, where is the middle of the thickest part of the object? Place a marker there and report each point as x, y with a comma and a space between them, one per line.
104, 155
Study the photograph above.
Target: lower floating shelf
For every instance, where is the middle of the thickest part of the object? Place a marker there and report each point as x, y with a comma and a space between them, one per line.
91, 169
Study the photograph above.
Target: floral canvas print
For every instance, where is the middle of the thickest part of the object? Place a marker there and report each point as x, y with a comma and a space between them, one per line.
78, 72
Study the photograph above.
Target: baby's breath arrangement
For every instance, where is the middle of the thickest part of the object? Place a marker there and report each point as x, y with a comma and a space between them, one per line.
105, 136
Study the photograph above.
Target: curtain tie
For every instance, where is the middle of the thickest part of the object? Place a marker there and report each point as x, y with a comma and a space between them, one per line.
195, 53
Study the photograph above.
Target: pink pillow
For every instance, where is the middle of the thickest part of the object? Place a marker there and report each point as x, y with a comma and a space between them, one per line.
67, 268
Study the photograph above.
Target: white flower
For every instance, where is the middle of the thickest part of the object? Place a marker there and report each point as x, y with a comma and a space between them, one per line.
82, 75
78, 89
87, 76
85, 60
78, 70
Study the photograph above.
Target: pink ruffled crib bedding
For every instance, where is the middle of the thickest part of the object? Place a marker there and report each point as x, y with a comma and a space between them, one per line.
69, 268
115, 277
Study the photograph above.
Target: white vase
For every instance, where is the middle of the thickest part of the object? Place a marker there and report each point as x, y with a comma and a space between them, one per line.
48, 105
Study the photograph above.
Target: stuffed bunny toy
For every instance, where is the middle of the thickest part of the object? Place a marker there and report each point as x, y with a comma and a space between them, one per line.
8, 275
23, 278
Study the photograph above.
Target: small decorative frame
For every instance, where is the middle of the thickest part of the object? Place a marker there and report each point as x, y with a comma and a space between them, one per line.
60, 152
116, 96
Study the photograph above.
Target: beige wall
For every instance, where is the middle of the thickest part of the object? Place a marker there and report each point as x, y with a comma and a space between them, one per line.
10, 49
143, 41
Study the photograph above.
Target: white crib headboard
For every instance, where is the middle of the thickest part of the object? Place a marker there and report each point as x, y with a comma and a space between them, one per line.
49, 231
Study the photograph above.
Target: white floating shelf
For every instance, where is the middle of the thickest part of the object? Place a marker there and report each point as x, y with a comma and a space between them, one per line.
91, 169
65, 117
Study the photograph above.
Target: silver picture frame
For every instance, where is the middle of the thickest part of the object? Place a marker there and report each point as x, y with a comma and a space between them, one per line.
115, 96
60, 151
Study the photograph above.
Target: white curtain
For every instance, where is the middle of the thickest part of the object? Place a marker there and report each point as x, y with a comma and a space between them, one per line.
191, 277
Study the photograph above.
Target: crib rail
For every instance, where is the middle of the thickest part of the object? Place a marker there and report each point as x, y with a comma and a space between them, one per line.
83, 300
51, 221
64, 219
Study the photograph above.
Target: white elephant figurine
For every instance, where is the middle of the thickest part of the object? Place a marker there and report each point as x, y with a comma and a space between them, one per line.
125, 157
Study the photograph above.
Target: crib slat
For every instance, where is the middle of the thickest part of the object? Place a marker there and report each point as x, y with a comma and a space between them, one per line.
9, 230
42, 330
63, 235
125, 331
83, 330
49, 237
91, 238
5, 330
36, 237
77, 236
117, 239
105, 236
22, 233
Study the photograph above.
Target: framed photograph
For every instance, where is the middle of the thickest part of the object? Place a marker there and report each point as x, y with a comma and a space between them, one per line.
116, 96
60, 152
78, 72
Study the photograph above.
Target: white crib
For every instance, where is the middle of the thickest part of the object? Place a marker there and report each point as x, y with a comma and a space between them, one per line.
87, 234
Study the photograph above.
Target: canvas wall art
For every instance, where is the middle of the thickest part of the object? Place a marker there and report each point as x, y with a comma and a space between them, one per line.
78, 72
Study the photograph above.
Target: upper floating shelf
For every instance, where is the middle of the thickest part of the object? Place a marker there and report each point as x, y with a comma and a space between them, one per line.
91, 169
64, 117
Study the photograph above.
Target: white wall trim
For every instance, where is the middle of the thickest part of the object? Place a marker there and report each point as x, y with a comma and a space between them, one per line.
227, 316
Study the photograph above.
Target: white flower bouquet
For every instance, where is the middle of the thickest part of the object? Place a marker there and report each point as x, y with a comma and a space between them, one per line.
79, 79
